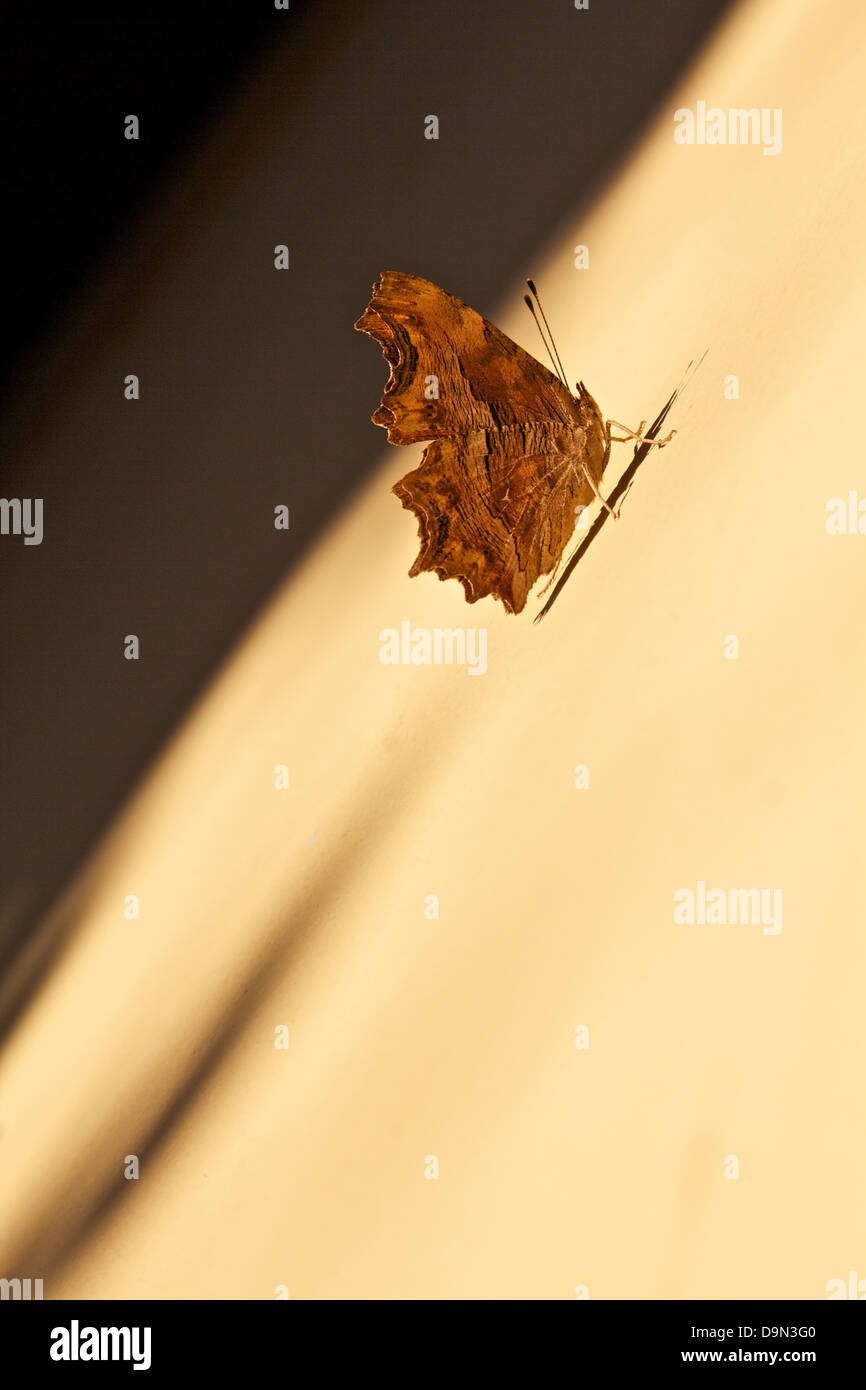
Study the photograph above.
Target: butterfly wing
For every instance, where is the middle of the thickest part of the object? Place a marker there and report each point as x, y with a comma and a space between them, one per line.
496, 493
495, 508
451, 370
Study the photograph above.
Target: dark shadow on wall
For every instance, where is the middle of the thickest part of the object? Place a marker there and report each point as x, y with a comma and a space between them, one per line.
255, 391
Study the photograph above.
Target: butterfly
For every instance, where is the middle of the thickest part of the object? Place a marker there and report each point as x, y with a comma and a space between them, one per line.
514, 457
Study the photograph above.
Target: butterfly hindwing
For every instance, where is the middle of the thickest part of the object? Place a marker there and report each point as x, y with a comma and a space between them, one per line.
495, 509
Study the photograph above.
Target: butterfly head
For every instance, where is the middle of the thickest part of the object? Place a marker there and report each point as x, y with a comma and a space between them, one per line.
587, 407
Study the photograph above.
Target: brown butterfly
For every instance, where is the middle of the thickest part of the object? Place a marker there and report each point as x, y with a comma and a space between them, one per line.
515, 456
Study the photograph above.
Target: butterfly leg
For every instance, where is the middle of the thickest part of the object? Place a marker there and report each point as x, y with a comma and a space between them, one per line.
637, 434
589, 478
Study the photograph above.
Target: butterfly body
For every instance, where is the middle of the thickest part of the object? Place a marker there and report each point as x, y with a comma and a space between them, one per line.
504, 474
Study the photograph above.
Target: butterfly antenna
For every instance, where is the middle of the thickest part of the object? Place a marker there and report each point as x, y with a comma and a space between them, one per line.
534, 292
531, 307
